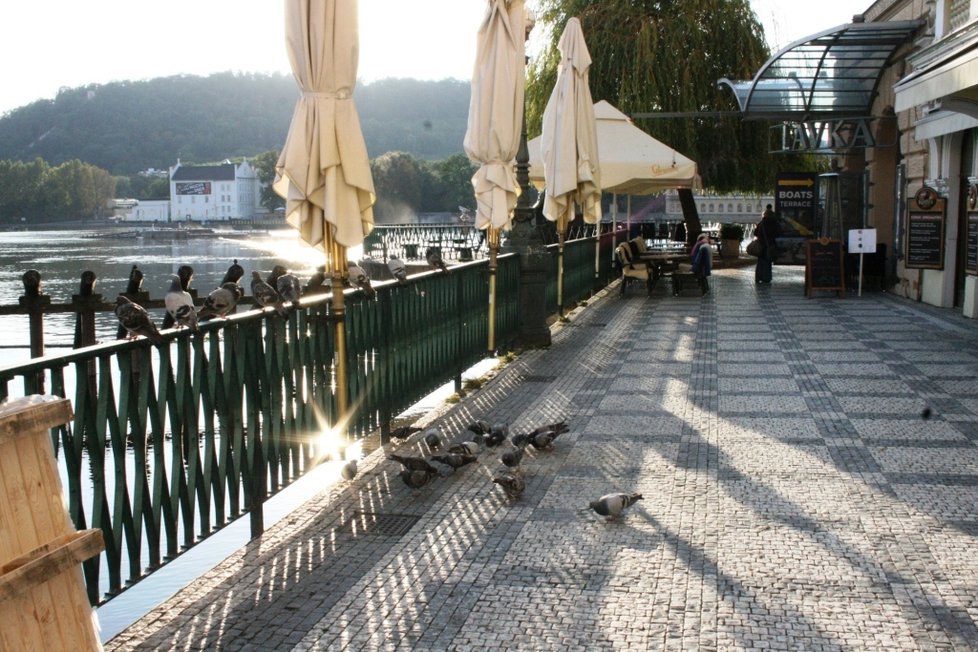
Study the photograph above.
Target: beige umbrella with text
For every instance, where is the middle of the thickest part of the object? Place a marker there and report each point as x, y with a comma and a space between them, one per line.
323, 172
569, 144
495, 121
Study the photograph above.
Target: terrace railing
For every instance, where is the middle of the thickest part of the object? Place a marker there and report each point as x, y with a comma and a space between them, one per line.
170, 443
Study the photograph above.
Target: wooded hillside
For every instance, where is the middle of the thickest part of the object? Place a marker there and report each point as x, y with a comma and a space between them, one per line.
125, 127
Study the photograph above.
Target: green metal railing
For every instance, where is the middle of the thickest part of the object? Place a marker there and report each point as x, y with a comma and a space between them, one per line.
170, 443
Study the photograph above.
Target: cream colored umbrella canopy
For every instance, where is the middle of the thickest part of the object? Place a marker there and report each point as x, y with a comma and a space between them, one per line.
630, 161
495, 122
569, 139
323, 172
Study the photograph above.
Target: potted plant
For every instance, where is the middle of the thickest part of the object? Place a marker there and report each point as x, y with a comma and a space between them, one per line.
731, 235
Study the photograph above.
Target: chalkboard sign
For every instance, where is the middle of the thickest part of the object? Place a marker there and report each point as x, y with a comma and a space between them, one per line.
925, 240
971, 245
824, 266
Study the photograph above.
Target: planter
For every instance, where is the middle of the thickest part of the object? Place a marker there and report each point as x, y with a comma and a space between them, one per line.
730, 248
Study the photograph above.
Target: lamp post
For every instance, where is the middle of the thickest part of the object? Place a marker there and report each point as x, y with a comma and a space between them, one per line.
524, 238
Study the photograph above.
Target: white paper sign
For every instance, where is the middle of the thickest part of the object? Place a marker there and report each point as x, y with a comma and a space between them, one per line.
862, 241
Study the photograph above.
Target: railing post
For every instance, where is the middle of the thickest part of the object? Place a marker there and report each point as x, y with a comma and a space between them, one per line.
135, 294
259, 480
85, 302
34, 301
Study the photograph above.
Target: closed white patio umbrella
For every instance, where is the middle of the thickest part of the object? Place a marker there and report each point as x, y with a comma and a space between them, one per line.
569, 144
323, 172
495, 121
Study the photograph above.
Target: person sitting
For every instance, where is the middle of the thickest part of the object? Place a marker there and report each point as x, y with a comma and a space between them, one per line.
702, 257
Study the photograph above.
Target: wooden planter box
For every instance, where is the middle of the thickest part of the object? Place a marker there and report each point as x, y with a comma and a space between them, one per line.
730, 248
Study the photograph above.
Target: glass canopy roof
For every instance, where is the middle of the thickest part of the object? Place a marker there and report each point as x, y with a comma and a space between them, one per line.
829, 75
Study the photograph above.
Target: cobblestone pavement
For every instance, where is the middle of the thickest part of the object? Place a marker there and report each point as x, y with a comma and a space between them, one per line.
794, 497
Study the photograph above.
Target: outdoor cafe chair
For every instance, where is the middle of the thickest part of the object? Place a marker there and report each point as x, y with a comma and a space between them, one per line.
632, 268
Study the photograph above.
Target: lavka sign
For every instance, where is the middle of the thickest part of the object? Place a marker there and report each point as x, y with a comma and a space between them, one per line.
825, 136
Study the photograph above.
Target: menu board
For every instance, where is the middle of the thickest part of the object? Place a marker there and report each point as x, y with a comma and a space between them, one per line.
925, 231
971, 245
824, 266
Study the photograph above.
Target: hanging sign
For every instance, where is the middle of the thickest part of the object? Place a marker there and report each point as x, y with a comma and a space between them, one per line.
925, 231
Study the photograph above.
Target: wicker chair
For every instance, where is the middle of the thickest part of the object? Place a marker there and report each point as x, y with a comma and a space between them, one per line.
632, 269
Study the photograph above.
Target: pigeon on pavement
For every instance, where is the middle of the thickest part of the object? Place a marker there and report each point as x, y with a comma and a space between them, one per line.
359, 278
398, 270
454, 460
403, 432
612, 505
511, 481
512, 457
265, 295
465, 448
416, 479
412, 463
433, 256
497, 435
180, 305
219, 302
433, 438
136, 320
349, 470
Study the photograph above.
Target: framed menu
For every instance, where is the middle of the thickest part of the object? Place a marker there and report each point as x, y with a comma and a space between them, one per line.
925, 231
824, 264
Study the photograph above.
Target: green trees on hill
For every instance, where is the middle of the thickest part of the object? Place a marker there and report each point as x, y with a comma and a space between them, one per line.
37, 191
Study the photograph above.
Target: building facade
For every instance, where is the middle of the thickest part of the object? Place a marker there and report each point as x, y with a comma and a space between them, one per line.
723, 209
214, 193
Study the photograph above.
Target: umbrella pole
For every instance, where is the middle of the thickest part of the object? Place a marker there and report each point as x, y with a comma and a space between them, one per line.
337, 261
560, 272
493, 239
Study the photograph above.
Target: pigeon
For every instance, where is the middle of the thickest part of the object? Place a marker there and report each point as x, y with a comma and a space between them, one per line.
273, 275
612, 505
433, 438
349, 470
412, 463
465, 448
219, 302
511, 481
560, 428
403, 432
521, 440
398, 270
454, 460
359, 278
543, 440
180, 305
136, 320
433, 256
288, 288
497, 435
480, 427
234, 273
265, 295
512, 457
416, 479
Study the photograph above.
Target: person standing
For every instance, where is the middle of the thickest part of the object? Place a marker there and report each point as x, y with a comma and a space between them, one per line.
766, 231
702, 257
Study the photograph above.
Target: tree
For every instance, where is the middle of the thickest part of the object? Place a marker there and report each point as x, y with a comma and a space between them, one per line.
452, 184
264, 165
398, 181
666, 56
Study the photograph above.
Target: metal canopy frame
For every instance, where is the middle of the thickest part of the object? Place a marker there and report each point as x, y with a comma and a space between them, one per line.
829, 75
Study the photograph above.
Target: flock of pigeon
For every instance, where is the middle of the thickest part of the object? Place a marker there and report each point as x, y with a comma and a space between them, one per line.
280, 290
447, 458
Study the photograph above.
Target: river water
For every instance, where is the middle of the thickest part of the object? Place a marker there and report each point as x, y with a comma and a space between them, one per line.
62, 256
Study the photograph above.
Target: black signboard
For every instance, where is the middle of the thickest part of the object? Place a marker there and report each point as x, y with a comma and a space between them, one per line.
925, 239
971, 245
796, 202
823, 266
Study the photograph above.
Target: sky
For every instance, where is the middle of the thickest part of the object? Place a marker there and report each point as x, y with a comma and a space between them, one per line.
49, 44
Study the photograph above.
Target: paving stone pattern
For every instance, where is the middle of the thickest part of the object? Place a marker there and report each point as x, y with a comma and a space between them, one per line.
794, 497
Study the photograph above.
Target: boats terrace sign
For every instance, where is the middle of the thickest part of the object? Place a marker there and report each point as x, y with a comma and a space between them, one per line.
824, 136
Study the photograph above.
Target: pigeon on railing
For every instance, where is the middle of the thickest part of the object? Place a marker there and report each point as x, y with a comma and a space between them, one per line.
220, 302
288, 288
136, 320
433, 256
612, 505
180, 305
398, 270
265, 295
359, 278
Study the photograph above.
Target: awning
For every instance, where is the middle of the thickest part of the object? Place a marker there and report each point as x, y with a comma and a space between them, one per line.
830, 75
955, 77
